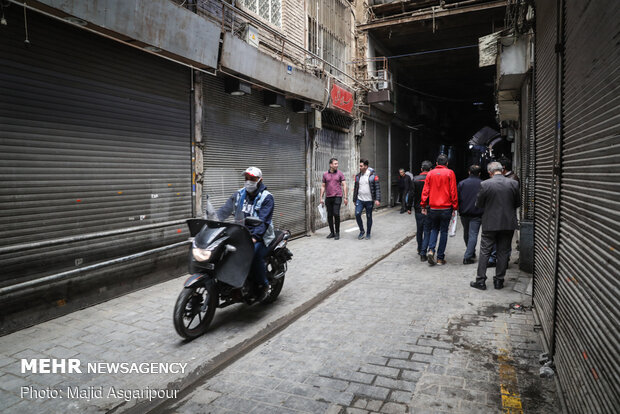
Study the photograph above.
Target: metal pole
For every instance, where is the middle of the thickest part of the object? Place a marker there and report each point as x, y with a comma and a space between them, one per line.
389, 173
90, 236
8, 291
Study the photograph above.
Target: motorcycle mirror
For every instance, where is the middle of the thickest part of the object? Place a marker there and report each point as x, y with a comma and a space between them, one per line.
253, 221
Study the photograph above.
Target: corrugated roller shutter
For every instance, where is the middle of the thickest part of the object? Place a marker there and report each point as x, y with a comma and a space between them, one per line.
94, 136
380, 163
241, 131
329, 144
587, 338
545, 80
367, 144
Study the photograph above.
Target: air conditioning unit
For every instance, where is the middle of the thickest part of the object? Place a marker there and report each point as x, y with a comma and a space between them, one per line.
250, 35
384, 79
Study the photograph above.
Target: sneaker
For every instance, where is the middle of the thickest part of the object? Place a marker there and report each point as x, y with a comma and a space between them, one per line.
423, 258
361, 235
431, 258
368, 236
337, 236
468, 261
331, 236
441, 262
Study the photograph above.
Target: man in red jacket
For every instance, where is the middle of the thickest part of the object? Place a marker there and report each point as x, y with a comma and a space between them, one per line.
440, 195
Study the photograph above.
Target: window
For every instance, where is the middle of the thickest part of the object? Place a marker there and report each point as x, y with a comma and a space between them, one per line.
270, 10
328, 30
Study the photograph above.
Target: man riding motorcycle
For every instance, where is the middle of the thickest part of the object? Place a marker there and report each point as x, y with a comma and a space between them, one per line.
254, 200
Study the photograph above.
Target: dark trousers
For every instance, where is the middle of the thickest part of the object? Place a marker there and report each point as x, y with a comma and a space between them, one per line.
258, 267
423, 232
440, 221
471, 228
332, 204
359, 206
502, 239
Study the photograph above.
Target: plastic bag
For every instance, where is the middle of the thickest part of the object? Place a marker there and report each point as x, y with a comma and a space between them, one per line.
452, 227
322, 212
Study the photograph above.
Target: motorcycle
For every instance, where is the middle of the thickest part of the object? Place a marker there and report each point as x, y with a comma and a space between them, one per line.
219, 265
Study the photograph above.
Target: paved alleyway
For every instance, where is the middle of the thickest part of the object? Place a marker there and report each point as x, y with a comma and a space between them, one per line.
138, 327
400, 337
403, 338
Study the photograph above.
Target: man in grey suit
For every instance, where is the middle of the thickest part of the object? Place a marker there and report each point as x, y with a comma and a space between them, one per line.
499, 197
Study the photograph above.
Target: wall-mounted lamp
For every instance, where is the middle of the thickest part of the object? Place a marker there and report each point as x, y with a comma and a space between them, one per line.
236, 87
274, 100
301, 107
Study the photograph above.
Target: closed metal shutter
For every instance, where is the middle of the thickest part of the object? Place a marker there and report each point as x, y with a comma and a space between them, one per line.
329, 144
241, 131
94, 136
400, 149
544, 228
380, 162
587, 335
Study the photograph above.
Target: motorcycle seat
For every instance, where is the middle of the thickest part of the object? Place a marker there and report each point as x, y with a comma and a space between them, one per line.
279, 237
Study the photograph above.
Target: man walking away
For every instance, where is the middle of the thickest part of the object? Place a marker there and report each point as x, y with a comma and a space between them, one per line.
366, 192
404, 187
508, 173
499, 197
471, 216
440, 195
423, 225
334, 187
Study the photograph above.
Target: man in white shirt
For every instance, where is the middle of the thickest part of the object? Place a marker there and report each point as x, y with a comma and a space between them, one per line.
366, 193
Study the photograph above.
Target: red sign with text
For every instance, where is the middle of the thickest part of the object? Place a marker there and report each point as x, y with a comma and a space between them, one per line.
342, 98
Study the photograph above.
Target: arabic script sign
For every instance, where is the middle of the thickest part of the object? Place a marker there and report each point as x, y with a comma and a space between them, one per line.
341, 98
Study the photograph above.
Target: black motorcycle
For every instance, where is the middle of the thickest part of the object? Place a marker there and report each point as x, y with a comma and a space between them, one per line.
219, 264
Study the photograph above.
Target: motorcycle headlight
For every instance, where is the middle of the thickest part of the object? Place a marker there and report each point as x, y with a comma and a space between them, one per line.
201, 255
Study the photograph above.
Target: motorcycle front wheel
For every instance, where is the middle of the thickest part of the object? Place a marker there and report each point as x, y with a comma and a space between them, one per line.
194, 310
276, 288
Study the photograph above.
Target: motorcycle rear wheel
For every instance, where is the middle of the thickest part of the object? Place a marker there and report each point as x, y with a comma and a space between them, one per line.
189, 320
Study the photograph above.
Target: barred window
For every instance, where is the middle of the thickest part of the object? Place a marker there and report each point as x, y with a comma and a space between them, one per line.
328, 30
270, 10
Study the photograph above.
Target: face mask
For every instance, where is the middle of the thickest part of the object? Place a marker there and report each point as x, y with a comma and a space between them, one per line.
251, 186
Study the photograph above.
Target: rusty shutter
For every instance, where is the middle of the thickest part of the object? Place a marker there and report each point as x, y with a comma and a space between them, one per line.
588, 316
544, 238
94, 136
240, 131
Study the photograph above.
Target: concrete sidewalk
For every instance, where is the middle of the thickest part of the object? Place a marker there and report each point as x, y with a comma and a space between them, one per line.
137, 328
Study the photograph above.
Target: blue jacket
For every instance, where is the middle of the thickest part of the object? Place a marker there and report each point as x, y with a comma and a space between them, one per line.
468, 190
265, 213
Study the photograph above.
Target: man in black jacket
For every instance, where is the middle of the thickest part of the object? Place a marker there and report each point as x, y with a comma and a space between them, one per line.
404, 188
471, 216
499, 197
423, 224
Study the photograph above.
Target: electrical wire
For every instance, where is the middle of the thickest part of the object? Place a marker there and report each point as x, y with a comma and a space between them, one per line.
439, 98
431, 51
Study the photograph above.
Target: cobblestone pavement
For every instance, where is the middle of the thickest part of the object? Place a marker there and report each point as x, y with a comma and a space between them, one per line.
403, 338
138, 327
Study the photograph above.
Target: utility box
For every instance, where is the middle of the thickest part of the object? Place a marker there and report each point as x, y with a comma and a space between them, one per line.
250, 35
315, 120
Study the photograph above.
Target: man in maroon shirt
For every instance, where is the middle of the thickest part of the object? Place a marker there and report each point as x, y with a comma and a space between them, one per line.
440, 195
334, 187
